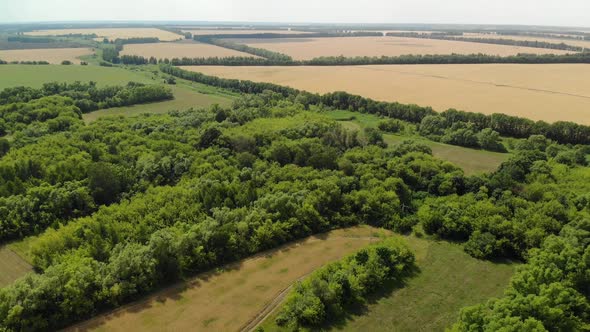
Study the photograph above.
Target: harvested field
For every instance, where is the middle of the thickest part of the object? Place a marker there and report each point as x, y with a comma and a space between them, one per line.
112, 33
200, 32
540, 92
309, 48
227, 299
180, 50
51, 55
573, 42
12, 266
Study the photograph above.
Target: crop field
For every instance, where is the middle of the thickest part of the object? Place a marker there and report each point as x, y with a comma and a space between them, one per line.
112, 33
180, 50
472, 161
200, 32
12, 266
51, 55
309, 48
574, 42
431, 300
551, 93
228, 298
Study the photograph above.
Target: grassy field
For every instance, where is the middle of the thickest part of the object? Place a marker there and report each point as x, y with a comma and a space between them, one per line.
35, 76
187, 94
472, 161
184, 98
226, 299
180, 50
12, 266
540, 92
448, 279
111, 33
309, 48
51, 55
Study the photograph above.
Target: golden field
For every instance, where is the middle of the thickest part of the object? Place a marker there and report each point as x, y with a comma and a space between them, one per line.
198, 32
180, 50
112, 33
573, 42
309, 48
227, 299
541, 92
51, 55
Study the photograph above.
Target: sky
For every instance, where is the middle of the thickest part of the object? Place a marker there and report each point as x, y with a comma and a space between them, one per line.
527, 12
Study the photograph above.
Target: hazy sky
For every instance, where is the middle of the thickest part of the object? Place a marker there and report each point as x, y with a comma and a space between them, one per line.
537, 12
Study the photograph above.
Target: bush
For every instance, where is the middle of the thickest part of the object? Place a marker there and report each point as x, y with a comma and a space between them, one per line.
66, 62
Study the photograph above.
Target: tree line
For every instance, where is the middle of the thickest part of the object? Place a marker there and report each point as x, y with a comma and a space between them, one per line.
330, 291
411, 59
89, 97
562, 131
219, 41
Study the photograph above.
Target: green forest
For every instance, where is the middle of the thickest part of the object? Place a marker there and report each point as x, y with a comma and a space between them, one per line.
123, 206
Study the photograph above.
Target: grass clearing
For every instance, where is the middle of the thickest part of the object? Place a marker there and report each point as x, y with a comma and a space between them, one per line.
12, 266
226, 299
181, 50
549, 92
472, 161
51, 55
111, 33
35, 76
187, 94
448, 280
309, 48
184, 99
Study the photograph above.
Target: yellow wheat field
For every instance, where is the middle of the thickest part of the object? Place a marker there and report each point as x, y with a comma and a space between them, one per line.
309, 48
180, 50
540, 92
227, 299
199, 32
51, 55
577, 42
112, 33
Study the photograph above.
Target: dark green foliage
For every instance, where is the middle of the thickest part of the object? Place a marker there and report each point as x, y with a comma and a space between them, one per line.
391, 126
550, 293
87, 96
326, 294
66, 62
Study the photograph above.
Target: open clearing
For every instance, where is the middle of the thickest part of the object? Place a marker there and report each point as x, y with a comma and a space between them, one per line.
309, 48
202, 32
448, 279
112, 33
184, 99
35, 76
12, 266
186, 94
181, 50
51, 55
227, 299
472, 161
548, 92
